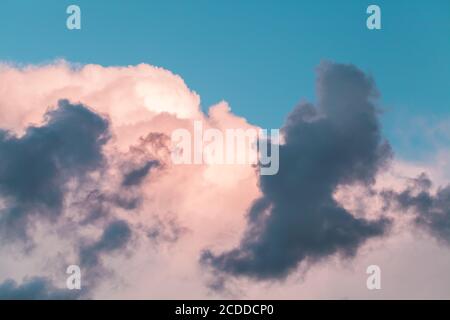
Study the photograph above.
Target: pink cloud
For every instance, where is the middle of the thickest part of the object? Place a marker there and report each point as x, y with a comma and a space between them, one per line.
208, 203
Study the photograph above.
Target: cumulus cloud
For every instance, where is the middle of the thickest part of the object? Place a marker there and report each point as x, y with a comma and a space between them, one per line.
96, 182
141, 106
127, 94
297, 219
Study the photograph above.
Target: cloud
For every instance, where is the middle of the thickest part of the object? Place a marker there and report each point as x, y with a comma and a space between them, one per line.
37, 288
168, 231
141, 106
136, 176
127, 94
297, 219
115, 236
132, 217
36, 166
432, 211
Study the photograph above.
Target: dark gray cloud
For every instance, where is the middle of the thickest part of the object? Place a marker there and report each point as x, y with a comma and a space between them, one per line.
115, 236
37, 288
136, 176
98, 206
35, 167
432, 210
297, 219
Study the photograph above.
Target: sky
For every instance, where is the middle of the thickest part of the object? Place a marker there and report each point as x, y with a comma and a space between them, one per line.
88, 179
259, 56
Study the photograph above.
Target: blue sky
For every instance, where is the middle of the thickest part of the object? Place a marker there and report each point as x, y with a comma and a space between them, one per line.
260, 55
